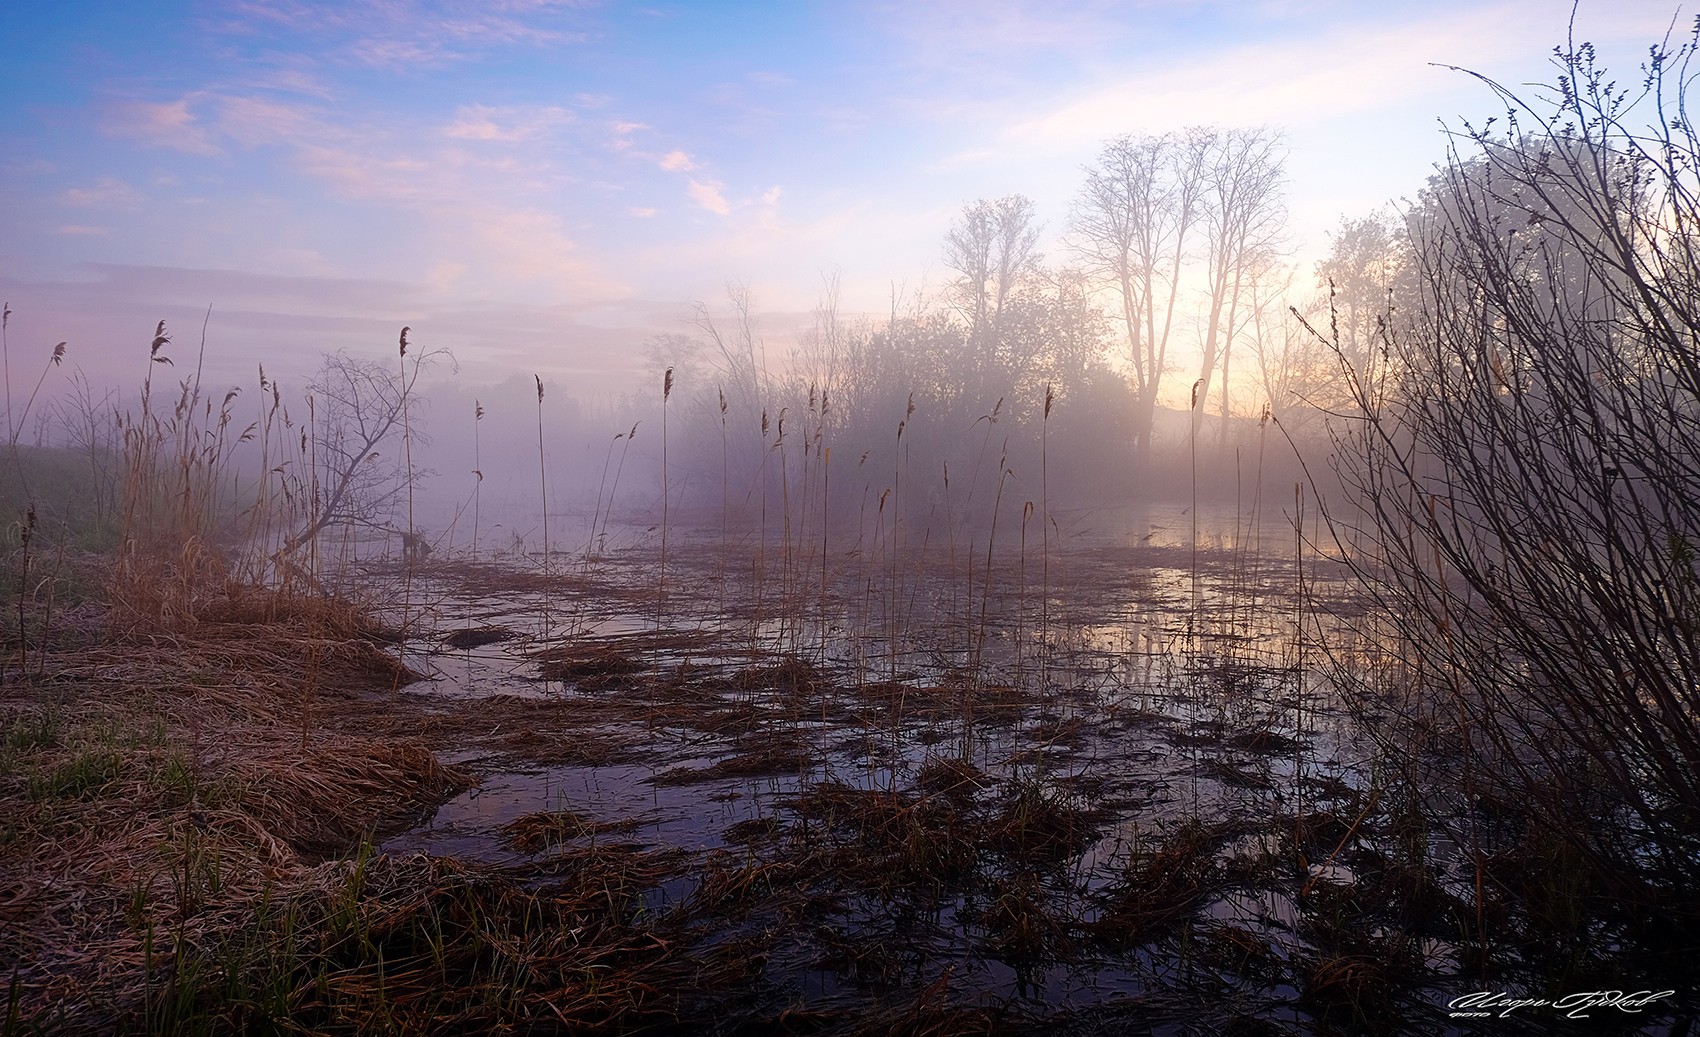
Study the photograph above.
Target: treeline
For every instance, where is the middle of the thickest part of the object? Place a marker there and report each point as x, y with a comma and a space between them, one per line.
1151, 357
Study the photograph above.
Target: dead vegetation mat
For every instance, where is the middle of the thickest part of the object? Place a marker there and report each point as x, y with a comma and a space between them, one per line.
160, 784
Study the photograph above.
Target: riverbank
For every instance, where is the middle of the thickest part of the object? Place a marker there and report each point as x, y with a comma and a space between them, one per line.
160, 789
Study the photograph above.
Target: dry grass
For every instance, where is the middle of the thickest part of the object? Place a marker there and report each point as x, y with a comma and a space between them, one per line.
164, 783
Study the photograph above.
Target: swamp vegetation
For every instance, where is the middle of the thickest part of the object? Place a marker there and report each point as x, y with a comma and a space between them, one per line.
1380, 751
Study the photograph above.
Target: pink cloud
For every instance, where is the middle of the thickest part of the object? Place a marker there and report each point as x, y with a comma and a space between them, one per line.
677, 162
406, 34
709, 197
107, 191
167, 125
508, 124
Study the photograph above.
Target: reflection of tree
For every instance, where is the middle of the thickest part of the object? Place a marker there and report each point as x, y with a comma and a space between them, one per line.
1528, 473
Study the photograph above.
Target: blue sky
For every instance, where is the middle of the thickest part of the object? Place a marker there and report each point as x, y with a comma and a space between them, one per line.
540, 186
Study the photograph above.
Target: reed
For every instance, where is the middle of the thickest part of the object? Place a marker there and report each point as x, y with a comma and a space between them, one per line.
590, 546
477, 473
666, 498
411, 555
894, 542
26, 534
53, 360
542, 474
6, 367
543, 499
1045, 525
979, 661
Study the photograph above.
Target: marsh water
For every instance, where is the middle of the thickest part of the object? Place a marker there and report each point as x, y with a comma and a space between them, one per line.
1096, 781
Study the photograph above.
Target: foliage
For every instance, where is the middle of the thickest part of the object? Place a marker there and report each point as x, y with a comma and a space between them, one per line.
1526, 464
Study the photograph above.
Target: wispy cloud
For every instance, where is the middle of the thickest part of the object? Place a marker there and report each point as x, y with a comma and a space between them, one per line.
988, 43
677, 162
409, 36
709, 197
483, 189
168, 124
624, 134
257, 121
508, 124
107, 192
1280, 82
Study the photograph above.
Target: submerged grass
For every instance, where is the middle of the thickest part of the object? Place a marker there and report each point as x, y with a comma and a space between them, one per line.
938, 814
180, 861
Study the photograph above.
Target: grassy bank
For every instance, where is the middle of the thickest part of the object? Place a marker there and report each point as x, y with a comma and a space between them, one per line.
161, 792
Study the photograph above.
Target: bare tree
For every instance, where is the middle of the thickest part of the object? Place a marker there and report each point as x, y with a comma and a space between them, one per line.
1361, 273
1244, 220
994, 246
358, 408
743, 384
1298, 374
1131, 226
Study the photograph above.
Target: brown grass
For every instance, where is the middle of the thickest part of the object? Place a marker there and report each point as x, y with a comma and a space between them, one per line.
163, 782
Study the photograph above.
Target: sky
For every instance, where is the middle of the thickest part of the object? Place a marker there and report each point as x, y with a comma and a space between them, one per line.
542, 186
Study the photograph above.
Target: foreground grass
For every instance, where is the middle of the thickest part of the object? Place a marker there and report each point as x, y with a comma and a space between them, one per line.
188, 815
161, 793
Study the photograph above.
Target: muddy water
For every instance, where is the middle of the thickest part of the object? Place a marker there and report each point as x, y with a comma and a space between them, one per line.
1115, 694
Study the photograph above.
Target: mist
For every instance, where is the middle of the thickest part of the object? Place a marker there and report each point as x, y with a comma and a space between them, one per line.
983, 518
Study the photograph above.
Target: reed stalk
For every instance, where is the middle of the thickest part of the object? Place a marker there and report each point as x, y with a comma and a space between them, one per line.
477, 472
6, 360
896, 522
661, 600
26, 533
1192, 452
409, 555
1045, 534
543, 493
54, 359
596, 512
614, 490
1298, 669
